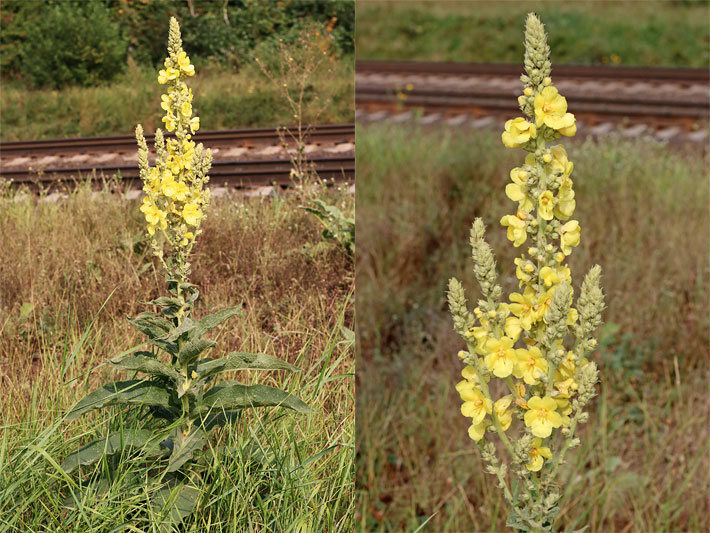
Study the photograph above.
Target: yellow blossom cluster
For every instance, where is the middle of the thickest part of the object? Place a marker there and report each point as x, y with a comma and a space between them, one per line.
175, 197
521, 341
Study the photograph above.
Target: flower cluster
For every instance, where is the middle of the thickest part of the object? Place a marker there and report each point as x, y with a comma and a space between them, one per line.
175, 197
523, 341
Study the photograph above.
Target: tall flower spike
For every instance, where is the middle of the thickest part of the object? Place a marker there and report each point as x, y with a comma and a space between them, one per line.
526, 341
175, 198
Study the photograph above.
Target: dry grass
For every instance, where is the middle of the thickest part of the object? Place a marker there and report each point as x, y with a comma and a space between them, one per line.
644, 214
63, 260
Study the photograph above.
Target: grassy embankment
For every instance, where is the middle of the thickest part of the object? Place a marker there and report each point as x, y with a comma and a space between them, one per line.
643, 211
657, 33
283, 470
223, 100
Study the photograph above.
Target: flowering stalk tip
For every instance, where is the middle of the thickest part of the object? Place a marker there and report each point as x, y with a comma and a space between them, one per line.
536, 342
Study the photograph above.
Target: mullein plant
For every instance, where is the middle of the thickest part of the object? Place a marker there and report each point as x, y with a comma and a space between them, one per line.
527, 379
176, 403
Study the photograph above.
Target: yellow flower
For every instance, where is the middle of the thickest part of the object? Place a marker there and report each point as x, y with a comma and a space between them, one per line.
475, 405
518, 190
513, 328
516, 229
546, 204
469, 373
164, 76
184, 64
504, 416
186, 109
181, 192
560, 164
537, 452
523, 307
565, 201
551, 110
549, 276
192, 214
169, 122
187, 238
477, 431
165, 101
531, 365
571, 130
543, 304
501, 356
542, 416
517, 132
194, 124
569, 236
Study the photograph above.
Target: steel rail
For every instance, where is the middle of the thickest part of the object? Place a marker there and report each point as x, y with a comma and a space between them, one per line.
236, 137
234, 173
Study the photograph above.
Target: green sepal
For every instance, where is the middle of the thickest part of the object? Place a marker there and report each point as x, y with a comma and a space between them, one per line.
147, 365
192, 349
231, 395
133, 392
242, 361
210, 322
112, 444
184, 447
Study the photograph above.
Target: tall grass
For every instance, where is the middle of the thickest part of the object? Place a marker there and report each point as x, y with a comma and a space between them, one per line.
282, 472
644, 217
225, 100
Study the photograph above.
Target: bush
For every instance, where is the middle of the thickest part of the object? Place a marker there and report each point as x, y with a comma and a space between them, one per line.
72, 44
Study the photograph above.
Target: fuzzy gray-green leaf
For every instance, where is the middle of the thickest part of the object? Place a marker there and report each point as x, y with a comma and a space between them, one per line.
133, 392
184, 448
238, 396
187, 325
175, 507
114, 443
150, 324
243, 361
192, 349
147, 365
212, 321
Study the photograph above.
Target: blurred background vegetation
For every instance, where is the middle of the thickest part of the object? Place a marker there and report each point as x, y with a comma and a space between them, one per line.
626, 32
70, 67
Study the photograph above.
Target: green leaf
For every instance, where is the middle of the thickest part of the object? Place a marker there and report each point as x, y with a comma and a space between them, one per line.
147, 365
212, 321
184, 448
133, 392
242, 361
156, 328
187, 325
174, 502
114, 443
221, 418
237, 396
192, 349
150, 324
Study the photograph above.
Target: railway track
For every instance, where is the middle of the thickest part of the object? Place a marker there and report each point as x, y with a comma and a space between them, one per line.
243, 158
671, 104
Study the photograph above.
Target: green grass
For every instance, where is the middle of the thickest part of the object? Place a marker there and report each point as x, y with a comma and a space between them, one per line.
223, 100
643, 211
658, 33
282, 471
